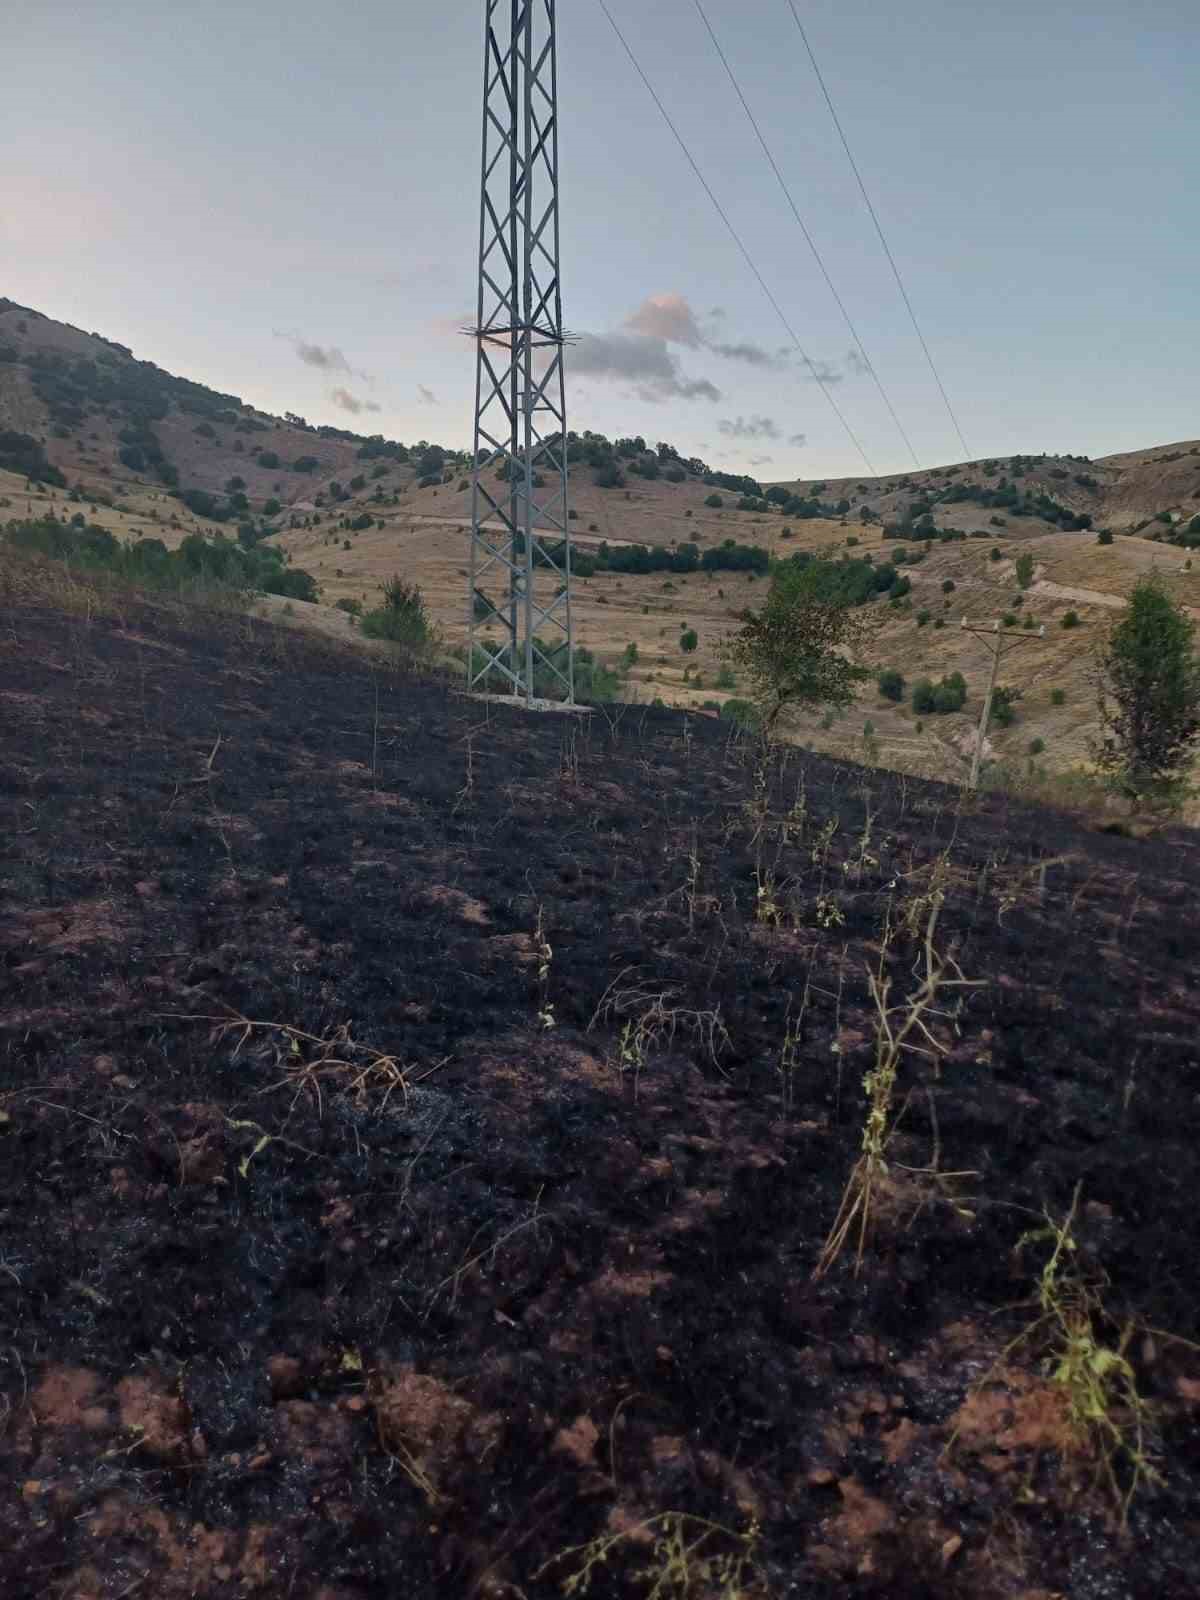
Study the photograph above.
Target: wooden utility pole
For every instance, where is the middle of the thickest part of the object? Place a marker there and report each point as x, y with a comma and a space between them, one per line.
997, 637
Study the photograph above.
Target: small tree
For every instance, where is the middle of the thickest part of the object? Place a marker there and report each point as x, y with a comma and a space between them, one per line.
1070, 619
688, 640
1025, 568
1104, 536
1149, 693
1004, 700
402, 618
714, 502
891, 684
797, 650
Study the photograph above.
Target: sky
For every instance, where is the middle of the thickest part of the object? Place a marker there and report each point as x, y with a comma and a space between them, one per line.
281, 200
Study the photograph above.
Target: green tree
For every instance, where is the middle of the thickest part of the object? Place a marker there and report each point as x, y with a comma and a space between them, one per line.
797, 650
688, 640
891, 684
1149, 693
714, 502
1025, 568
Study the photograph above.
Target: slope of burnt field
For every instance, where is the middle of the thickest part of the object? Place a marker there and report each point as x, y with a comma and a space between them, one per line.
495, 1234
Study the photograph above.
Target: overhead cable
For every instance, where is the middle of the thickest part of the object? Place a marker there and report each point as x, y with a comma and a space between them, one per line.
878, 229
737, 239
868, 364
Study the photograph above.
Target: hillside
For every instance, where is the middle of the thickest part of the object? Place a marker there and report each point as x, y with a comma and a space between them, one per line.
409, 1189
361, 509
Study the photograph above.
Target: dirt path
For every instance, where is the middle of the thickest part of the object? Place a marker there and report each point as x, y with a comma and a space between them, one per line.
1092, 597
1089, 597
465, 522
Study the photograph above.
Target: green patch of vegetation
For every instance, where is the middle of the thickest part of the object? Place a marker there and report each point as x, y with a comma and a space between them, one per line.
198, 563
892, 685
401, 619
21, 452
950, 694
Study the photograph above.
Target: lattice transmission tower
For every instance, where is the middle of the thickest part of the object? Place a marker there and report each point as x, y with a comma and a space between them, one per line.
519, 599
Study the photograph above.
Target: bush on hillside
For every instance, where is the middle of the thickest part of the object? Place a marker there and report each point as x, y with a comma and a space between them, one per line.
401, 619
944, 697
891, 684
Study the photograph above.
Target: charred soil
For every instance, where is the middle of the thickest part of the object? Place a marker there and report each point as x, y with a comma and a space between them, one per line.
420, 1124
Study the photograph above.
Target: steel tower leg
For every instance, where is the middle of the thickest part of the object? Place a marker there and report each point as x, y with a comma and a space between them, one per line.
519, 597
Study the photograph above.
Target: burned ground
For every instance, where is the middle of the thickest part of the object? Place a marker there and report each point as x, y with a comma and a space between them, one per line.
496, 1234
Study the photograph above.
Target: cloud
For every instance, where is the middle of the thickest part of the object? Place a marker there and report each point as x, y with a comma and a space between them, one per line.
329, 359
428, 398
857, 363
748, 428
761, 461
753, 354
823, 372
798, 438
668, 317
326, 358
345, 401
641, 359
452, 327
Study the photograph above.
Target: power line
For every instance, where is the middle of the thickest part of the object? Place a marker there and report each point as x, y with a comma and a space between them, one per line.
749, 259
787, 194
878, 229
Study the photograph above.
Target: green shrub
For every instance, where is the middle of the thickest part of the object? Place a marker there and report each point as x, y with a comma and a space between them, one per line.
1036, 747
402, 618
1071, 619
949, 586
688, 640
1104, 536
944, 697
996, 554
714, 502
891, 684
726, 678
1004, 700
1058, 697
741, 712
1009, 619
923, 618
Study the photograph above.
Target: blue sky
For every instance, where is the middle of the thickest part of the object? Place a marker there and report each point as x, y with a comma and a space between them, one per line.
225, 187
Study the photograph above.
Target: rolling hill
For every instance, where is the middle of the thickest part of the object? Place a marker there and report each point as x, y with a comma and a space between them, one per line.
148, 454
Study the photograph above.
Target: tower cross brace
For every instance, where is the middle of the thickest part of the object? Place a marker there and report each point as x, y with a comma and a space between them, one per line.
519, 594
